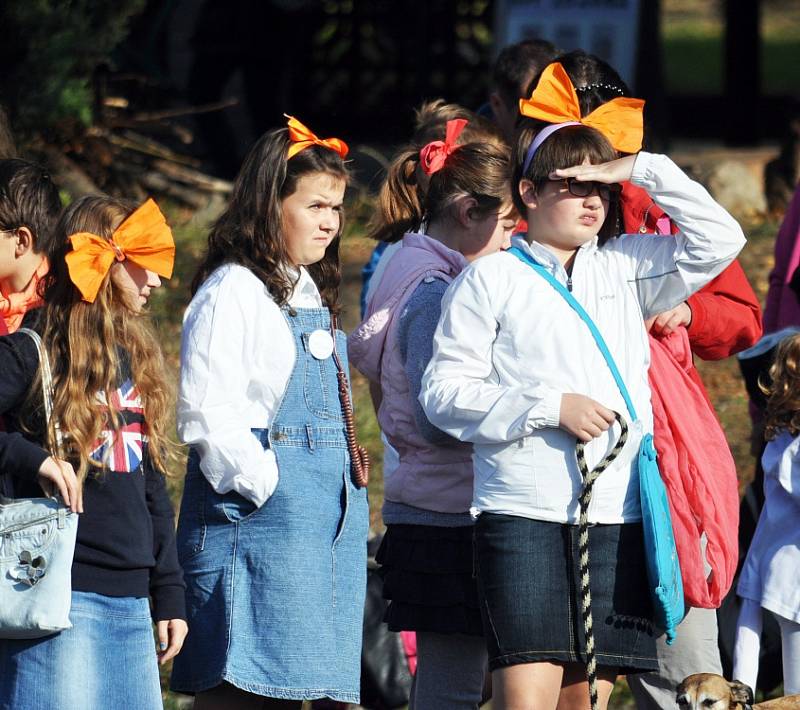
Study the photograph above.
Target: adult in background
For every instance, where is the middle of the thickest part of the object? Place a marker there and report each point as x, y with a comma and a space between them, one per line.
516, 67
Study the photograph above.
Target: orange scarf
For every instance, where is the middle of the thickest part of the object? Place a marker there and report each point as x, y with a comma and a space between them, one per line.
14, 306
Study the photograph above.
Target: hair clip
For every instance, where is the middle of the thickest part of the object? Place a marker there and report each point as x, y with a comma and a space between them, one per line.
598, 85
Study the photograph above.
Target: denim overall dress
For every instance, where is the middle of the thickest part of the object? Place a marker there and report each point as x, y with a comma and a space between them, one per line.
275, 595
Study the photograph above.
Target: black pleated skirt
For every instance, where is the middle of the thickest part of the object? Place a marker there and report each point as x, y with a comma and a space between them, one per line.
428, 579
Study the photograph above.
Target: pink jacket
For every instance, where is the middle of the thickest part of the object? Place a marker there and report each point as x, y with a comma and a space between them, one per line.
698, 470
782, 307
429, 476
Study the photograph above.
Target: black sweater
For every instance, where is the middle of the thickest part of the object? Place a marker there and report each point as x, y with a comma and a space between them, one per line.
126, 535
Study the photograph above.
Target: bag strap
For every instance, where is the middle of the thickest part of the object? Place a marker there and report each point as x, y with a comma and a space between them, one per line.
359, 458
47, 383
579, 309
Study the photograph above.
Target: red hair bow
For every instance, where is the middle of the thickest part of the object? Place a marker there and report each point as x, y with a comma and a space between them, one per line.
433, 156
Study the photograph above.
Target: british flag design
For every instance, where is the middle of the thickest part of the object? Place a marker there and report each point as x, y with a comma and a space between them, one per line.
123, 452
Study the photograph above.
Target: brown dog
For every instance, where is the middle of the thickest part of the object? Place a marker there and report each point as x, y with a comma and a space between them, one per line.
709, 691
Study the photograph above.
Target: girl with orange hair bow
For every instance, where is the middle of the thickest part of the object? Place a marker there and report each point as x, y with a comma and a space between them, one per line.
111, 403
721, 319
273, 524
516, 372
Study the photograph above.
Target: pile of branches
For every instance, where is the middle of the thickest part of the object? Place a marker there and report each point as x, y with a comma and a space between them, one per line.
132, 153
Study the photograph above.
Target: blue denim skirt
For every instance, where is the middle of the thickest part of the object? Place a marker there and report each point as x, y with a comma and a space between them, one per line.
528, 585
275, 595
106, 660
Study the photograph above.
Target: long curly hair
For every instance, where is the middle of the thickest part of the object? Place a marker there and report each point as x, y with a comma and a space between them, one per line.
250, 231
783, 403
87, 342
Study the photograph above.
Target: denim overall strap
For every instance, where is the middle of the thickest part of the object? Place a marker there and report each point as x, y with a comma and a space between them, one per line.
585, 317
316, 525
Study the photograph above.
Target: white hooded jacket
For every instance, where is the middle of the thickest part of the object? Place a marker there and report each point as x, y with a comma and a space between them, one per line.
508, 346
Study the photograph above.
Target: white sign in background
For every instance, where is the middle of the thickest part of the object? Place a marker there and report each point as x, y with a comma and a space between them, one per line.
607, 28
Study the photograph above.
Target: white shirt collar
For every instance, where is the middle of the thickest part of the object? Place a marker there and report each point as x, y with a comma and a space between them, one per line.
305, 293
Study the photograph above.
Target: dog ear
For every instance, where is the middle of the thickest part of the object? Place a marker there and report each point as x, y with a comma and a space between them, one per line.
741, 693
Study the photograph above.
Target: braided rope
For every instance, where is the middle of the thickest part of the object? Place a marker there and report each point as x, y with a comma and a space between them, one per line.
589, 477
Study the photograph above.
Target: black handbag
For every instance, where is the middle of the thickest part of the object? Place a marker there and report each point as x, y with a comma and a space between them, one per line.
385, 676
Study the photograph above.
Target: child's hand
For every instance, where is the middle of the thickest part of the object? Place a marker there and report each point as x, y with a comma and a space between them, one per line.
618, 170
583, 417
664, 323
57, 476
171, 634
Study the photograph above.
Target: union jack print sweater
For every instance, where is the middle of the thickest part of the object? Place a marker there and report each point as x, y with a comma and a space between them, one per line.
126, 535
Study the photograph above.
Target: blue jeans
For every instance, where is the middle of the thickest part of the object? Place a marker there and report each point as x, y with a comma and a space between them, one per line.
106, 660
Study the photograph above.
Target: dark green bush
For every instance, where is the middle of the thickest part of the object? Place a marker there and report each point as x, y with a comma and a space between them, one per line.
49, 50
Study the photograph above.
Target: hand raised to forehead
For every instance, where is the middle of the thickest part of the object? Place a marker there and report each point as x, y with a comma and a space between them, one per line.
615, 171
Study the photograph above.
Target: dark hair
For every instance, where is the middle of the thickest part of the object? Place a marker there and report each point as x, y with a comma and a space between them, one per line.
568, 146
250, 231
596, 82
402, 193
28, 198
478, 170
517, 64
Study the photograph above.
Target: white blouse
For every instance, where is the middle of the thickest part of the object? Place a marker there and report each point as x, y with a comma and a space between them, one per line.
237, 354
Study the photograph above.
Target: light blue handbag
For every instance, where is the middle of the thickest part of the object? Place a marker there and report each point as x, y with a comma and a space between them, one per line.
661, 555
37, 544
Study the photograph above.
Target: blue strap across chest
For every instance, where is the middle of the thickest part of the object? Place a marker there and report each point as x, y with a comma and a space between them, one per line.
579, 309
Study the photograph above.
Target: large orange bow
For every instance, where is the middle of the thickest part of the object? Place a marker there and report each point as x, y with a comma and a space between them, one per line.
433, 155
554, 100
144, 238
303, 138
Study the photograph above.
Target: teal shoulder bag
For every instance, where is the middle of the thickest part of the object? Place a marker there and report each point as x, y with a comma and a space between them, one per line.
663, 570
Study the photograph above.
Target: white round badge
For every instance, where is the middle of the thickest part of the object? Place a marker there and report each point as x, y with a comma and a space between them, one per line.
320, 343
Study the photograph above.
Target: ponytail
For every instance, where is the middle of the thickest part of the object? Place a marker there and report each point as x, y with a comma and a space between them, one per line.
399, 203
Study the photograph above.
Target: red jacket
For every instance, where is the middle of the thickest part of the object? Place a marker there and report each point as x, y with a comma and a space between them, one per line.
726, 315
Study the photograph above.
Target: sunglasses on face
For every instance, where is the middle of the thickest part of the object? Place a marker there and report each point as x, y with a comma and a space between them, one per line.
584, 188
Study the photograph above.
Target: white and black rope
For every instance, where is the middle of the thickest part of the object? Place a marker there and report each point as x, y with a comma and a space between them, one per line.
589, 477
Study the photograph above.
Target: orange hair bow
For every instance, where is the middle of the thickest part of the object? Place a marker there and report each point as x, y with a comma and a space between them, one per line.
144, 238
433, 156
303, 138
554, 100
